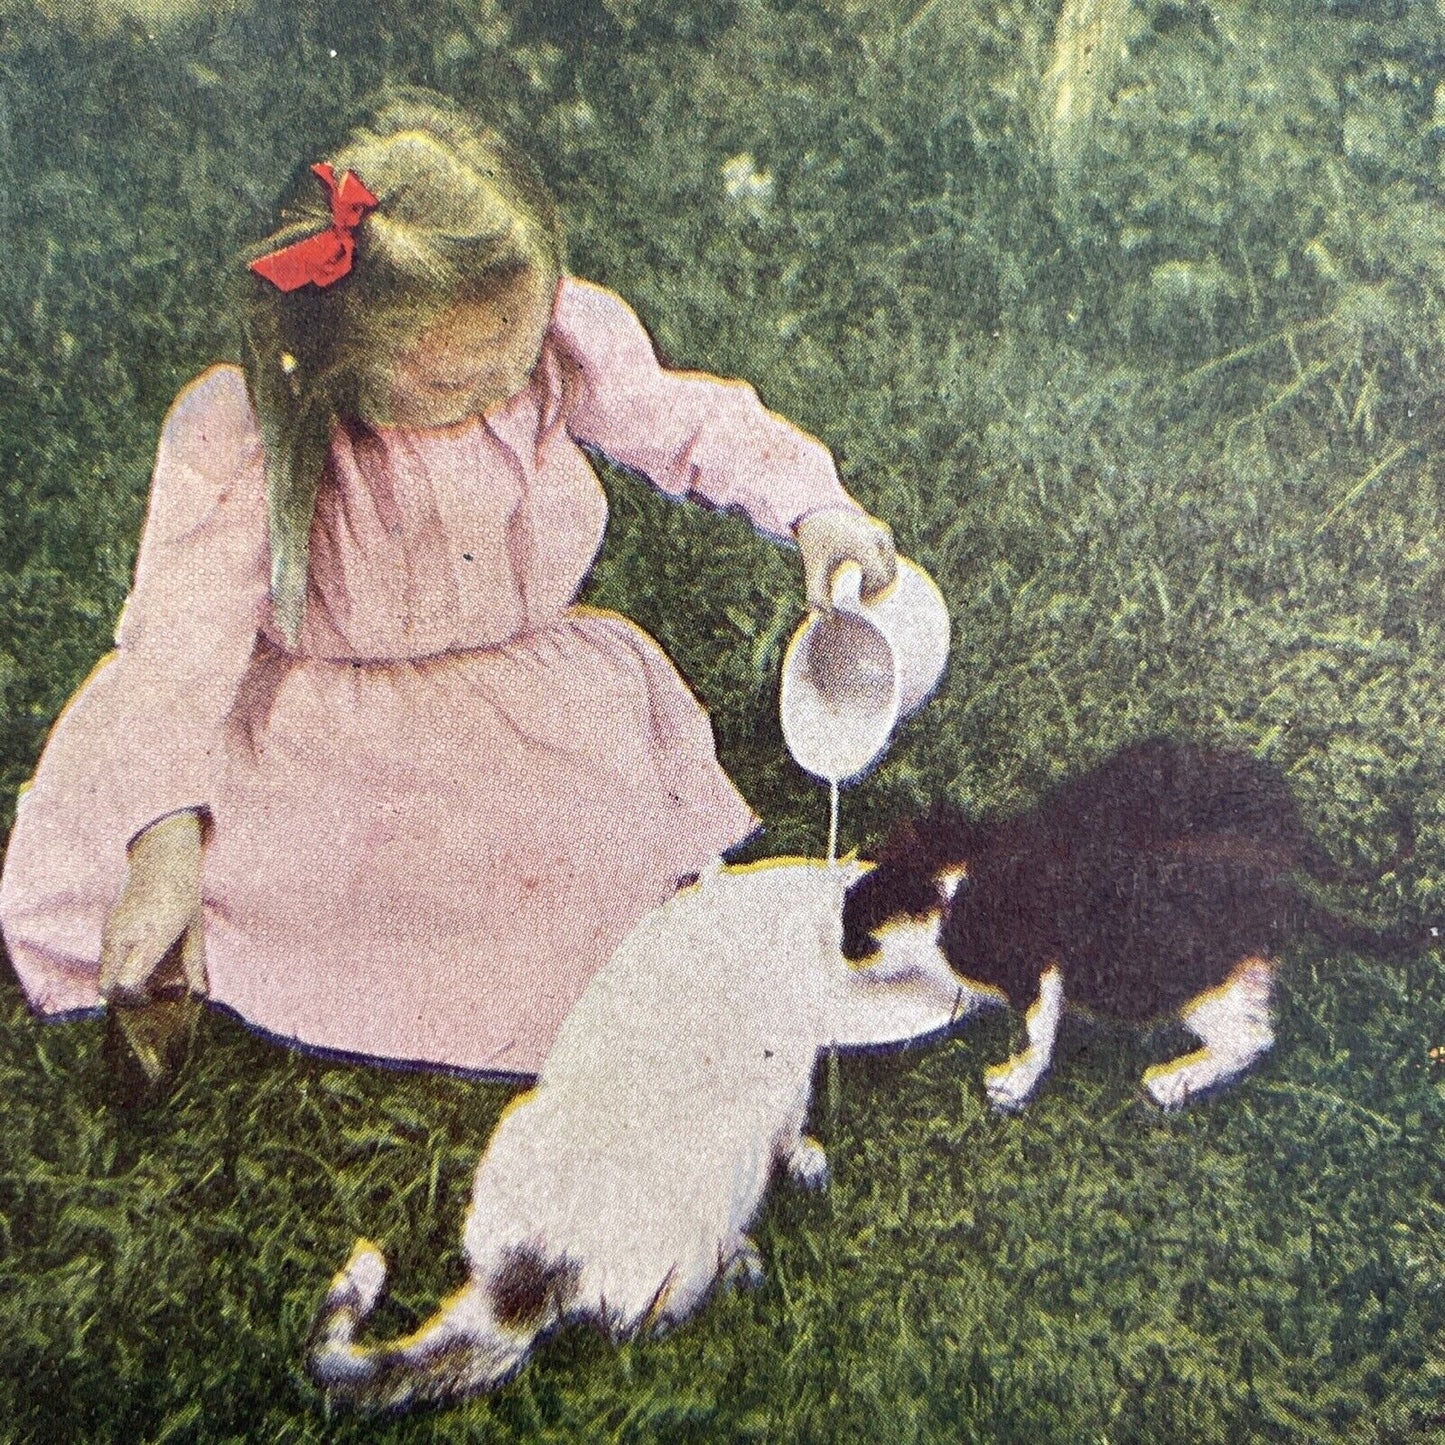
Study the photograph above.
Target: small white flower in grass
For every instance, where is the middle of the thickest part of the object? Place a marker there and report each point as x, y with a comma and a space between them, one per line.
578, 116
747, 186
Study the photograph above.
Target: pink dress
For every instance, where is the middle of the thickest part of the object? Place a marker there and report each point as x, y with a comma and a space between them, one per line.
435, 817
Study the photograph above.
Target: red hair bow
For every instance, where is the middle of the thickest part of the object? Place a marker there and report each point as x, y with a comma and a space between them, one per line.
325, 257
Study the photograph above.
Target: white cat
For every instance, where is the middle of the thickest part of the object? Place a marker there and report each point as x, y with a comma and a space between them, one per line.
621, 1187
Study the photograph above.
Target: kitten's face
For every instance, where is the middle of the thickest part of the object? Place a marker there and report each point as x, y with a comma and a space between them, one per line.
908, 947
891, 902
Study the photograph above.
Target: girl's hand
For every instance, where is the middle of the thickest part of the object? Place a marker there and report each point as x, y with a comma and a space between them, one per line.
160, 903
835, 535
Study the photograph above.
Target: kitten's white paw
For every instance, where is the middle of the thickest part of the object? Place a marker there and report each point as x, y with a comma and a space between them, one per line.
745, 1269
1011, 1085
1174, 1084
364, 1272
1168, 1087
808, 1165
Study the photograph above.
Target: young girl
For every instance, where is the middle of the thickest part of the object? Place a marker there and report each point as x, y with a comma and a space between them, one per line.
359, 767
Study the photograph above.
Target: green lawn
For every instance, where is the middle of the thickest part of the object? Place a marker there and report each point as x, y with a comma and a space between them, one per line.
1155, 399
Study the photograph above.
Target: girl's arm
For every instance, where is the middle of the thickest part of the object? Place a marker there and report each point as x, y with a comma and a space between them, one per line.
141, 742
688, 433
189, 626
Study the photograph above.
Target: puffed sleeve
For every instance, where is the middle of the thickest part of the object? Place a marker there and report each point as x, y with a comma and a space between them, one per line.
149, 719
688, 433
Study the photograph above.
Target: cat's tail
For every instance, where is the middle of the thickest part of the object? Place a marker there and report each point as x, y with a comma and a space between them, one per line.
464, 1349
1315, 862
1382, 943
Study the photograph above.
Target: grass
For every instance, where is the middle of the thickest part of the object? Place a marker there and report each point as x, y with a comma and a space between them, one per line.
1165, 429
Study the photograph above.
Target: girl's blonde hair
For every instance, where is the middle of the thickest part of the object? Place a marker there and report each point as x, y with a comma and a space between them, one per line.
461, 217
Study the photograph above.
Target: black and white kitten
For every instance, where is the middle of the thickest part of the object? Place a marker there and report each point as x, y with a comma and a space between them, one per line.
1163, 881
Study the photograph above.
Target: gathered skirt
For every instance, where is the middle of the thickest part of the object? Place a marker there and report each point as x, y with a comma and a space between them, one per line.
422, 860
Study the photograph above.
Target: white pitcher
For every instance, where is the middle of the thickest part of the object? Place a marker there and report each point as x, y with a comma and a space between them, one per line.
850, 676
